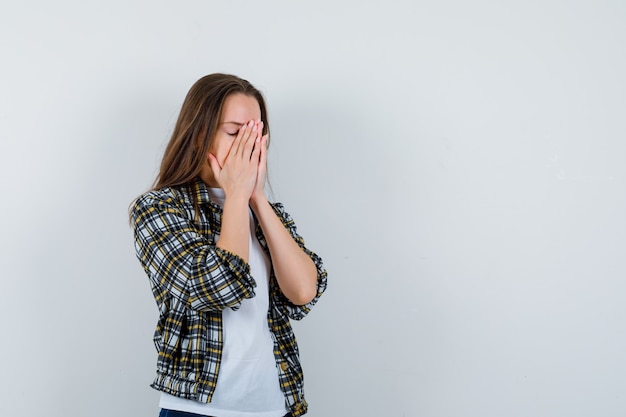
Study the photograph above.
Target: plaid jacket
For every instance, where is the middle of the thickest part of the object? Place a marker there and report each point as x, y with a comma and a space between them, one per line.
193, 281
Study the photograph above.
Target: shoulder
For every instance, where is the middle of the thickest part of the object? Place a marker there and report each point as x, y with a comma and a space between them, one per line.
177, 198
165, 194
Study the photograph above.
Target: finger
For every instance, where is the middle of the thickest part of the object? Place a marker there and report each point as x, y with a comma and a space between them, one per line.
255, 156
261, 125
263, 156
247, 132
244, 131
248, 146
262, 167
259, 134
215, 166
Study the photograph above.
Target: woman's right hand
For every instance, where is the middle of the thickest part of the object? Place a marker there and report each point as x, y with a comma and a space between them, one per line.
237, 176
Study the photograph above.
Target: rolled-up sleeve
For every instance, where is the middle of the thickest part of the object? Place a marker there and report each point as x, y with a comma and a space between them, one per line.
293, 311
181, 263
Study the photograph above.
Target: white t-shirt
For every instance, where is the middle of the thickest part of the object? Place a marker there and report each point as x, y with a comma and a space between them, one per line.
247, 383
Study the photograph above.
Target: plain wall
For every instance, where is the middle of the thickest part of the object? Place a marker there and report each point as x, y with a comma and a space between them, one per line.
458, 165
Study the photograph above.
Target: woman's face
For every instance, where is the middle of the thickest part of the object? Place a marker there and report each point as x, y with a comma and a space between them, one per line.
238, 110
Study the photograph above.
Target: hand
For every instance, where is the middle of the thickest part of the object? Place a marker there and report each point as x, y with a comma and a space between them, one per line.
238, 174
258, 194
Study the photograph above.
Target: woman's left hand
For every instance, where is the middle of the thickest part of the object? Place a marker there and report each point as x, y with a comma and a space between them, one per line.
258, 193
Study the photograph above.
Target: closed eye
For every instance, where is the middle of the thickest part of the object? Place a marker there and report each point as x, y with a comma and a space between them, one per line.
230, 126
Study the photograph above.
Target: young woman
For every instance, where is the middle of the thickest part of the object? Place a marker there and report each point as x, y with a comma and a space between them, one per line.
227, 268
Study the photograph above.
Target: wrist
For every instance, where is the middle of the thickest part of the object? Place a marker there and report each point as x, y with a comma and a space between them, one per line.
257, 201
235, 198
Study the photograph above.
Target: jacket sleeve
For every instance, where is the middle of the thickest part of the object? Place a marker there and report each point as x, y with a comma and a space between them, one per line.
181, 263
281, 302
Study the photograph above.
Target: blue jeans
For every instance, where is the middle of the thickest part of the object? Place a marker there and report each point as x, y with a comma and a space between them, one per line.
173, 413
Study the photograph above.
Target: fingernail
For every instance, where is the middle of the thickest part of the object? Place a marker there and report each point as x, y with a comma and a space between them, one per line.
251, 122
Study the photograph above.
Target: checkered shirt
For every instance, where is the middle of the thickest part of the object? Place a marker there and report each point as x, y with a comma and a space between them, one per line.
192, 281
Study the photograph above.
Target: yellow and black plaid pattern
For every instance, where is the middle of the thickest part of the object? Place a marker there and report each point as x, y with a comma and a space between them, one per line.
193, 281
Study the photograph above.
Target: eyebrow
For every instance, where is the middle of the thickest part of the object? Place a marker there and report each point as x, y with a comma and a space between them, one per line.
233, 123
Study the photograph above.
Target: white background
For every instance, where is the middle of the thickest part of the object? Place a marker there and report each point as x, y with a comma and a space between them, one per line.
459, 165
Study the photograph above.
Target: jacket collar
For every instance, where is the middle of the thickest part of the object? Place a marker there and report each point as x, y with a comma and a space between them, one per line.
212, 210
200, 192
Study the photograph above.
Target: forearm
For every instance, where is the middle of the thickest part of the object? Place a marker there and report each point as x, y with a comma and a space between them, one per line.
295, 271
179, 261
235, 231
